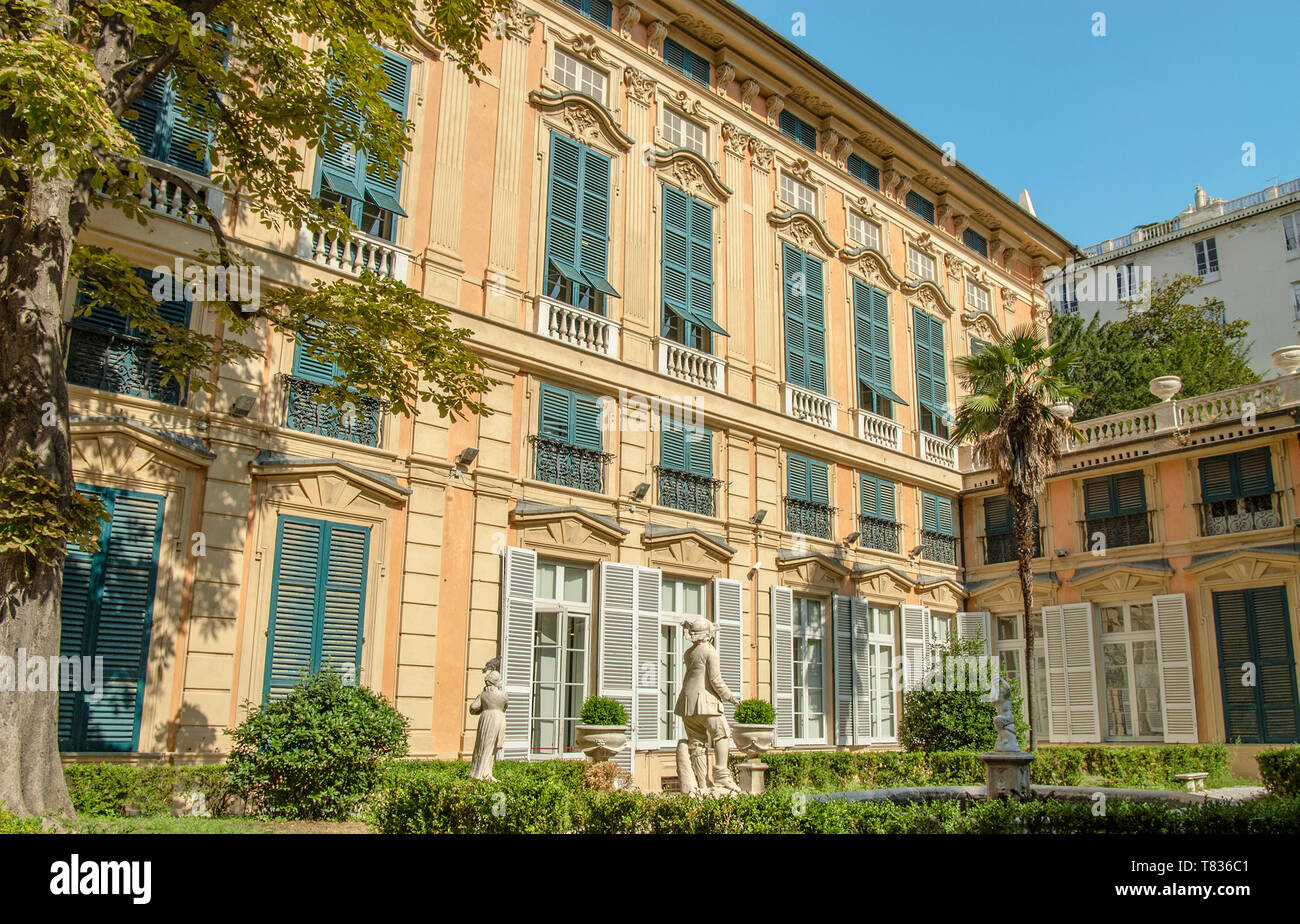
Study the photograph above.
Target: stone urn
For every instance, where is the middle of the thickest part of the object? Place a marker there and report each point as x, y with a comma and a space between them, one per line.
753, 739
1287, 358
1164, 387
601, 742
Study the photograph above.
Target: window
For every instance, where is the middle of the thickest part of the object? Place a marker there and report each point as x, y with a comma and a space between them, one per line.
569, 439
921, 206
931, 374
938, 538
577, 226
1115, 511
1237, 493
163, 131
1291, 233
809, 658
1130, 671
867, 173
976, 242
1254, 627
561, 642
800, 195
1010, 649
598, 11
977, 344
920, 265
794, 127
977, 298
357, 421
1067, 296
107, 611
807, 496
999, 531
107, 351
863, 232
871, 350
688, 271
681, 600
688, 62
881, 641
1207, 259
805, 320
579, 76
1126, 281
877, 515
685, 472
344, 177
681, 132
941, 625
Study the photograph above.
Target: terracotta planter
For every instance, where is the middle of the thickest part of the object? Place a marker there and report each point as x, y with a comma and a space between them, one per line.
601, 742
753, 739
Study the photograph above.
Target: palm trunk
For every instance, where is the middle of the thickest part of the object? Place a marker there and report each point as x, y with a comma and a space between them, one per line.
1026, 540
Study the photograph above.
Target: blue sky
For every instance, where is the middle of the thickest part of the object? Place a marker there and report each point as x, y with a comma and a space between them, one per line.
1105, 132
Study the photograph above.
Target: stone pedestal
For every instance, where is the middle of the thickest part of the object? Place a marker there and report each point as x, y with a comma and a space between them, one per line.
751, 776
1008, 774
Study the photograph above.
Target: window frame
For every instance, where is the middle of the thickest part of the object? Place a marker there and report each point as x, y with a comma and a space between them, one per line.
1206, 254
878, 643
873, 228
579, 69
800, 631
671, 620
981, 301
666, 115
1128, 638
564, 610
792, 190
1291, 236
921, 259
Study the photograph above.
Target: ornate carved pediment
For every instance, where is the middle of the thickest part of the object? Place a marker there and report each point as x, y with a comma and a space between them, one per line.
565, 530
688, 105
802, 171
804, 230
1120, 579
1246, 565
812, 570
128, 449
326, 484
583, 118
691, 173
687, 551
1005, 596
922, 241
583, 45
984, 322
883, 582
944, 593
872, 266
929, 296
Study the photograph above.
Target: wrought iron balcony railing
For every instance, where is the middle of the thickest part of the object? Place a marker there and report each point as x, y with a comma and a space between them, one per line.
938, 547
686, 491
879, 533
808, 517
1240, 514
99, 358
359, 421
1121, 530
570, 466
1000, 547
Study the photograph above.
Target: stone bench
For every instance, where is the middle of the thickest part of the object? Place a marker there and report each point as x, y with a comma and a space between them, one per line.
1195, 782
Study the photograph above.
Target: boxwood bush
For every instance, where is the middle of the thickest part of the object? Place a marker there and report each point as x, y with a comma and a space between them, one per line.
601, 710
755, 712
147, 789
1279, 768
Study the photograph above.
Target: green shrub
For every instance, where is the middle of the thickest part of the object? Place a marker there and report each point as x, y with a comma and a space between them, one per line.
317, 752
601, 710
145, 789
12, 824
755, 712
949, 719
562, 772
1279, 768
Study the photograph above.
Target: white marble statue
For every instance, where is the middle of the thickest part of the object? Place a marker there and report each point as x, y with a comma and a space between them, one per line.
1005, 720
700, 706
490, 707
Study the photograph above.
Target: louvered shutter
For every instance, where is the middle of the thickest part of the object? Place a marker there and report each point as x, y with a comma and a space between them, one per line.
587, 422
385, 191
975, 625
555, 413
883, 492
862, 679
796, 476
518, 624
672, 446
1057, 694
1071, 671
1096, 497
976, 242
916, 644
617, 657
728, 596
1232, 625
867, 173
997, 515
699, 451
701, 263
295, 594
842, 611
1174, 651
782, 662
931, 377
75, 610
307, 366
1276, 683
871, 336
593, 251
649, 594
686, 61
870, 503
150, 107
793, 296
1255, 473
343, 606
919, 205
815, 325
818, 481
675, 271
943, 507
1130, 492
794, 127
343, 167
186, 146
563, 206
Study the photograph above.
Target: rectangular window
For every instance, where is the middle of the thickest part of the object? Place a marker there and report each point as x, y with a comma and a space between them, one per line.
1125, 281
805, 319
977, 298
921, 206
357, 421
871, 350
1067, 296
1291, 233
600, 12
569, 440
577, 225
685, 472
999, 531
1207, 259
867, 173
881, 642
877, 516
938, 529
809, 676
863, 232
920, 265
681, 600
1254, 628
681, 132
579, 76
688, 62
1237, 493
1130, 671
807, 496
976, 242
1115, 507
163, 131
794, 127
799, 195
561, 642
687, 271
931, 374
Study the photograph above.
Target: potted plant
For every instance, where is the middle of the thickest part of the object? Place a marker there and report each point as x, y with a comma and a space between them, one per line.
602, 731
754, 727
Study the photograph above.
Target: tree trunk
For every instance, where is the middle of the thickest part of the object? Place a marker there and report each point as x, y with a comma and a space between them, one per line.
1026, 540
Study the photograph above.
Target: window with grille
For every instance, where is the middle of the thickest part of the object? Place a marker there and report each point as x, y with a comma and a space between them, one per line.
579, 76
681, 132
863, 232
800, 195
919, 264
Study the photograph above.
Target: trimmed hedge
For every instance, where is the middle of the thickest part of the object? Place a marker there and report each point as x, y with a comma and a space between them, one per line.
1279, 768
107, 789
422, 806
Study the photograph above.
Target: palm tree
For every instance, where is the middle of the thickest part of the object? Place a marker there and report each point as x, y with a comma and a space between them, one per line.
1017, 418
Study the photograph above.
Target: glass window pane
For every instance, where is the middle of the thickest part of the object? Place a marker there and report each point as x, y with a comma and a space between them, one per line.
1142, 617
575, 584
1119, 722
669, 600
1146, 680
1008, 627
693, 598
1112, 619
548, 633
545, 580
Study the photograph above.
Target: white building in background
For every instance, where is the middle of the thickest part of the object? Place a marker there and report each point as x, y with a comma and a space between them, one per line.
1247, 251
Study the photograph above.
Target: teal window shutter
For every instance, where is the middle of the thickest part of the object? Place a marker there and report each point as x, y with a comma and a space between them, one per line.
672, 447
686, 448
794, 127
871, 338
577, 217
306, 366
586, 422
1130, 492
598, 11
1242, 474
807, 479
385, 191
687, 271
877, 497
570, 417
921, 206
805, 325
106, 317
936, 514
997, 515
867, 173
931, 377
1114, 495
688, 62
976, 242
796, 477
164, 133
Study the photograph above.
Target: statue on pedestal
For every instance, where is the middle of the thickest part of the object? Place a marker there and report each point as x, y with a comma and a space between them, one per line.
490, 707
700, 706
1005, 720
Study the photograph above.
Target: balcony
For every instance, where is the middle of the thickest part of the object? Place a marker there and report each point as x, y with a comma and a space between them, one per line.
362, 253
685, 491
114, 362
569, 466
802, 404
1121, 530
878, 533
168, 199
577, 327
691, 365
1240, 514
808, 517
357, 421
880, 431
1001, 547
938, 451
938, 547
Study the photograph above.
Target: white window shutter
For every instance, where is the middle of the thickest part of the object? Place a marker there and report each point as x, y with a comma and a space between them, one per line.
842, 611
518, 616
1072, 673
649, 590
617, 662
1058, 703
974, 625
782, 663
862, 683
1174, 649
728, 596
916, 644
